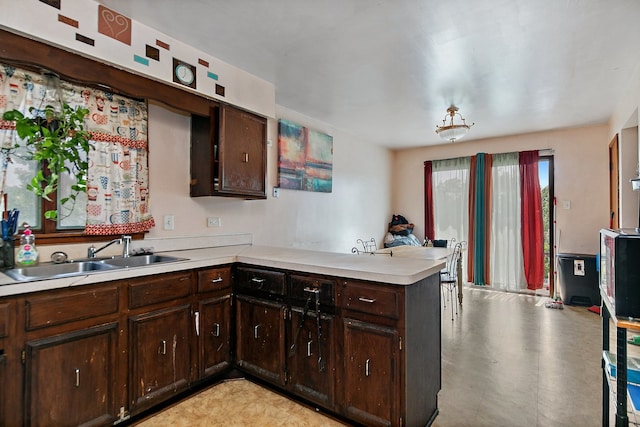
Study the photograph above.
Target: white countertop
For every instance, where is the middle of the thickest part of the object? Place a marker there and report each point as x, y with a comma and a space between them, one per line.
405, 267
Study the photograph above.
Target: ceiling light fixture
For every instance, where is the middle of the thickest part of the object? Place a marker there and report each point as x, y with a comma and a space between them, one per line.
453, 132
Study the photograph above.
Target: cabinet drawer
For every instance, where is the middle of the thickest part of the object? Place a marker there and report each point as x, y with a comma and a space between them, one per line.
254, 279
4, 320
49, 310
304, 286
370, 298
157, 289
214, 279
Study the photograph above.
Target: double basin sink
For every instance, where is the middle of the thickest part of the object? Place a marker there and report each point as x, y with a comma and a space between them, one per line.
78, 268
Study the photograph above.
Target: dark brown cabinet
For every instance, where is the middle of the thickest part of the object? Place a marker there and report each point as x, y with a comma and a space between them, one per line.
371, 373
3, 380
70, 353
70, 378
160, 355
228, 154
96, 354
391, 339
215, 320
260, 335
311, 361
5, 310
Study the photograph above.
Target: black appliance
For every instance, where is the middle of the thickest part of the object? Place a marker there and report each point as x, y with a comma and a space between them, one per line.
620, 270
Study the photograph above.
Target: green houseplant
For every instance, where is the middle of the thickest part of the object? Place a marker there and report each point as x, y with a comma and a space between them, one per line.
59, 142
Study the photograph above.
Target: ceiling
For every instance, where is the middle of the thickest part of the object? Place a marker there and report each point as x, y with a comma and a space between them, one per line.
386, 70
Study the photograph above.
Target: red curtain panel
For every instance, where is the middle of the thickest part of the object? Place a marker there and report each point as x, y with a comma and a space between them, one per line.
531, 217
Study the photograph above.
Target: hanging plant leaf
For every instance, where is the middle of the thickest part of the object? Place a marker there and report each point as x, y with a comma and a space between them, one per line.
59, 142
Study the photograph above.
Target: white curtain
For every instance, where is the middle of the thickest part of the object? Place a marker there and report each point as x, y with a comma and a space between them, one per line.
507, 264
450, 180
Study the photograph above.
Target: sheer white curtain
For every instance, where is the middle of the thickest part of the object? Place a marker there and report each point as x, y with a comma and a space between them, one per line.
507, 265
450, 180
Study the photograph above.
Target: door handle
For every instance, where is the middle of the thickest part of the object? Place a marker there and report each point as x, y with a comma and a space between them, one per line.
216, 330
77, 372
163, 347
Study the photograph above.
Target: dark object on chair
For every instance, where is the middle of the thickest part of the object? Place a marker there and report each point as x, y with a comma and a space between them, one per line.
449, 278
400, 226
440, 243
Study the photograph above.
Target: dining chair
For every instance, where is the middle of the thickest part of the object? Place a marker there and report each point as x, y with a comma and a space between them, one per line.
449, 279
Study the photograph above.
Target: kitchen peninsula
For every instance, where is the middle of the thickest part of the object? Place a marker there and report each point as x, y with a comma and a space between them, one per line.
355, 335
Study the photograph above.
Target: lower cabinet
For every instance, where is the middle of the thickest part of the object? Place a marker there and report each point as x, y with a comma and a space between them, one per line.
3, 380
260, 335
311, 361
160, 355
70, 378
214, 334
214, 320
95, 354
371, 373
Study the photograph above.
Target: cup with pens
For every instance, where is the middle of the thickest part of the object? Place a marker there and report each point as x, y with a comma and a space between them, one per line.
9, 225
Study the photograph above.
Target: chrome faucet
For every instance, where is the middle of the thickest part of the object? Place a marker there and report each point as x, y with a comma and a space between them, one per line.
124, 240
126, 246
92, 251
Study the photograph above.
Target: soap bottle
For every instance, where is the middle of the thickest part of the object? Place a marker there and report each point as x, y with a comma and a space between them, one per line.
27, 253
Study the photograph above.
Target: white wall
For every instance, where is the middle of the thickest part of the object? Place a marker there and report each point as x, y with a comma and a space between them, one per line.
581, 177
358, 207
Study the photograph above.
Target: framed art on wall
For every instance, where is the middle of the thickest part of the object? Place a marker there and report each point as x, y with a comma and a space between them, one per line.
305, 158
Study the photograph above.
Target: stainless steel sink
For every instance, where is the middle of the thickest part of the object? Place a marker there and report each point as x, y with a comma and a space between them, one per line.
54, 271
140, 260
86, 266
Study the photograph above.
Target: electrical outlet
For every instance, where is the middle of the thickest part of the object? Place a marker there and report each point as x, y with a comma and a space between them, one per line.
214, 221
276, 192
169, 222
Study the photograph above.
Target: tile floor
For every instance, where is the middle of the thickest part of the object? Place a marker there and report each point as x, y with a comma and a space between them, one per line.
506, 361
509, 361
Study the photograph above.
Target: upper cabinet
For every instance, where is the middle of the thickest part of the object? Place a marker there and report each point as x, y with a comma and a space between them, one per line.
228, 154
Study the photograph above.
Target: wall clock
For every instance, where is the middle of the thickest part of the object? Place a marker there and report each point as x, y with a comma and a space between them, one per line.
184, 73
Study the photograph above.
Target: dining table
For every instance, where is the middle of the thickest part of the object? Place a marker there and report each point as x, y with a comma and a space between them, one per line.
427, 253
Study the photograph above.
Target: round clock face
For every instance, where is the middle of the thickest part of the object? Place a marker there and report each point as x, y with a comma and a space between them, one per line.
184, 74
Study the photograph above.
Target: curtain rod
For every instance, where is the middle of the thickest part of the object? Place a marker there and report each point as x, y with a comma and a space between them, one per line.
541, 152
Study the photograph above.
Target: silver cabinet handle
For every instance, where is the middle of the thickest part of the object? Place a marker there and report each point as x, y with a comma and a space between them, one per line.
216, 330
77, 372
255, 331
309, 348
197, 322
256, 280
245, 157
366, 368
218, 280
312, 290
163, 347
367, 300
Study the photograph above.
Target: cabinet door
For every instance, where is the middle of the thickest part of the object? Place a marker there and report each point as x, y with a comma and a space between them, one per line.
242, 151
3, 380
70, 378
311, 362
260, 337
371, 373
215, 334
159, 355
